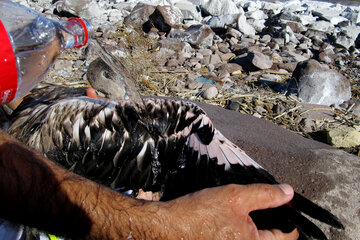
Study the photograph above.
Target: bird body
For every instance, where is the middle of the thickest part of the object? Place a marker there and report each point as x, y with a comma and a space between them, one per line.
173, 148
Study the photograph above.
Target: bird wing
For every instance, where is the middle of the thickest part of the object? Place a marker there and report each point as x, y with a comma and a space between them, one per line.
174, 148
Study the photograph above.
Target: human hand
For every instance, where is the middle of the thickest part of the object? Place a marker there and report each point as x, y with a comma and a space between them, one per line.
223, 212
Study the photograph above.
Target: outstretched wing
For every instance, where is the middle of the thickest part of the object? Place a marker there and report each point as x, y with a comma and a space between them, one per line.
173, 148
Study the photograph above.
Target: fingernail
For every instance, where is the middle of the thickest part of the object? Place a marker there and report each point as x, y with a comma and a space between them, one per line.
287, 189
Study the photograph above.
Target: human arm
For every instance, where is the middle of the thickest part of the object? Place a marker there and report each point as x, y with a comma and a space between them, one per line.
36, 192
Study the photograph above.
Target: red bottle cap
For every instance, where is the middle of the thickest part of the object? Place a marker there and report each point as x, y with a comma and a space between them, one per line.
86, 34
8, 71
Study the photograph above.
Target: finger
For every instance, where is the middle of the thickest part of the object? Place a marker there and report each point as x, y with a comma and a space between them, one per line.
276, 234
264, 196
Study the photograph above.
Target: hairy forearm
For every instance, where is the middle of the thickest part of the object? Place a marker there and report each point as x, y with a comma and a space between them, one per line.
36, 192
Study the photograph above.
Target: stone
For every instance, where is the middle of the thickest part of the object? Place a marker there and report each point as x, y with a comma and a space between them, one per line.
164, 18
296, 27
194, 85
257, 15
327, 56
307, 124
234, 33
352, 15
172, 62
265, 39
189, 10
322, 26
205, 51
254, 60
86, 9
244, 27
229, 68
260, 60
296, 57
220, 7
215, 59
198, 36
223, 21
318, 85
62, 64
227, 56
344, 137
260, 109
278, 108
140, 14
210, 93
234, 105
270, 77
257, 24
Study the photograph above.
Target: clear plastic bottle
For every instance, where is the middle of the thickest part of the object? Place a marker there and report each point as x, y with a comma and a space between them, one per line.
29, 44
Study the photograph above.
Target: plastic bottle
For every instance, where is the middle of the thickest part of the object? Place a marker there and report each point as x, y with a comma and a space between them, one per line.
29, 44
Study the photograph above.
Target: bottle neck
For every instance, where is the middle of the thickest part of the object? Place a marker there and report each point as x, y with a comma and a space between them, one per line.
75, 32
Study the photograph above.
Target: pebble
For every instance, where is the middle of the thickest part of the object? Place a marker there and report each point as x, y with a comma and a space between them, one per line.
210, 92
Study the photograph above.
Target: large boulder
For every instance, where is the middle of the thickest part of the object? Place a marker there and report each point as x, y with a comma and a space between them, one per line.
319, 85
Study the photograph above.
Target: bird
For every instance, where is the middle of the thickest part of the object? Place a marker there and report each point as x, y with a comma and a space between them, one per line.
173, 149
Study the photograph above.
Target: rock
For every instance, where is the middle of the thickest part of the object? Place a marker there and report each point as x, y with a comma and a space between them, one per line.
205, 51
173, 62
318, 85
352, 15
278, 108
220, 7
244, 27
348, 36
296, 57
296, 26
229, 68
140, 14
290, 67
307, 124
215, 59
322, 26
234, 105
344, 137
194, 85
265, 39
234, 33
199, 36
257, 15
223, 21
61, 64
327, 56
254, 60
227, 56
84, 8
260, 109
257, 24
189, 10
210, 93
164, 18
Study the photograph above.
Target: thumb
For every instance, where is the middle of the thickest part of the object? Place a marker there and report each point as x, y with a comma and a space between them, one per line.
264, 196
